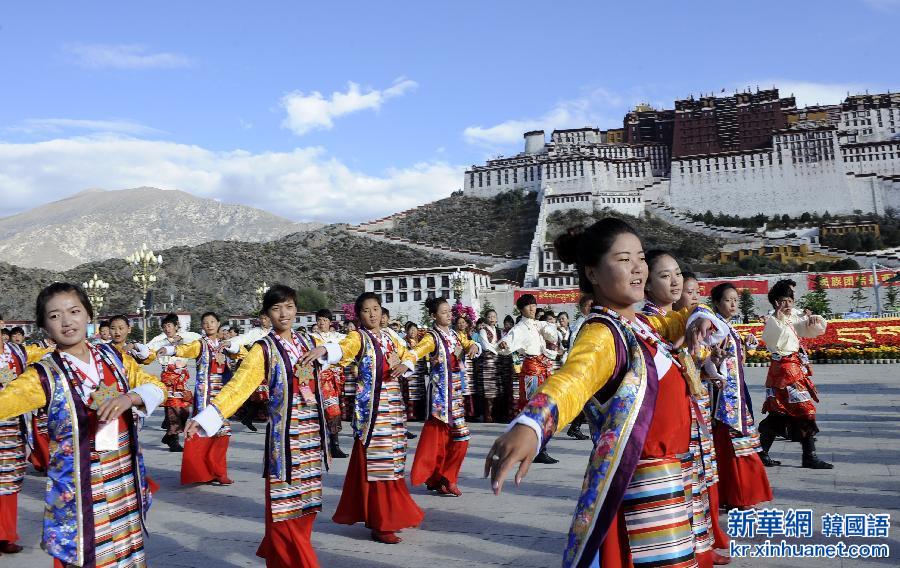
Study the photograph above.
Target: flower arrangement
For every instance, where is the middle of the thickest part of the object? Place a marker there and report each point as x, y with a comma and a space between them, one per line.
349, 312
465, 311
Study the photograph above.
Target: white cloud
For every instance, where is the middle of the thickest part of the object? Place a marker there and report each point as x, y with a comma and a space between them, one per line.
59, 125
594, 108
306, 112
302, 184
123, 56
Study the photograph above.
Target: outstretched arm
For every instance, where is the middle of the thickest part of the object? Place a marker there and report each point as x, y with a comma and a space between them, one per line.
244, 382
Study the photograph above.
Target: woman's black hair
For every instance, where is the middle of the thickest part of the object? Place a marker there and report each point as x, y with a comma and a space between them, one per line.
214, 315
104, 323
277, 294
324, 313
585, 246
434, 304
45, 295
509, 319
781, 289
685, 276
718, 292
525, 300
486, 312
119, 317
170, 318
357, 306
655, 255
561, 314
409, 325
17, 329
385, 311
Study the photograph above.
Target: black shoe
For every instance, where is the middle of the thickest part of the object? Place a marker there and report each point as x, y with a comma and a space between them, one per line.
337, 452
249, 426
544, 457
768, 461
576, 433
166, 439
410, 435
812, 461
175, 446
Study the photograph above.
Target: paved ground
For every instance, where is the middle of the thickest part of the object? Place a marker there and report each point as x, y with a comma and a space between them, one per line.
525, 527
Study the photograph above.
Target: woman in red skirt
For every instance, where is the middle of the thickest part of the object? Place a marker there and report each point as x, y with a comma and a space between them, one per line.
205, 459
375, 491
296, 442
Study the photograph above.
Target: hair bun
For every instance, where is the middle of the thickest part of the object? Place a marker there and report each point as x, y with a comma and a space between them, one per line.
566, 245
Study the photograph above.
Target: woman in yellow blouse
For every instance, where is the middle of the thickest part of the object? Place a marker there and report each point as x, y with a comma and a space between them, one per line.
635, 393
297, 437
88, 392
445, 436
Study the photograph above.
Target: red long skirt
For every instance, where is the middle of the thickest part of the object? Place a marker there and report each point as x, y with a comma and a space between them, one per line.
742, 480
384, 506
204, 459
287, 544
437, 455
9, 507
720, 538
40, 456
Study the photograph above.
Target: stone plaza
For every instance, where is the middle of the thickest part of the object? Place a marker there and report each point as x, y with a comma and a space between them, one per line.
525, 527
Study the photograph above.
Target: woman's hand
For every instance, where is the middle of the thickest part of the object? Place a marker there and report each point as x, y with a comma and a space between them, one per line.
472, 351
313, 355
699, 331
399, 370
518, 446
502, 346
191, 429
114, 407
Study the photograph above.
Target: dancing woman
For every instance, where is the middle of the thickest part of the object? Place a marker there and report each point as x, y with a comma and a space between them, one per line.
445, 436
97, 493
639, 401
296, 437
375, 491
790, 392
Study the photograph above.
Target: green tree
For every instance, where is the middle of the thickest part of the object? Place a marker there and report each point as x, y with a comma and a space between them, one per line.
311, 299
891, 297
816, 300
488, 306
746, 305
426, 320
858, 296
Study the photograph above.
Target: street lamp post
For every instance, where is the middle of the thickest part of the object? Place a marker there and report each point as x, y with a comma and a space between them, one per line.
144, 266
96, 290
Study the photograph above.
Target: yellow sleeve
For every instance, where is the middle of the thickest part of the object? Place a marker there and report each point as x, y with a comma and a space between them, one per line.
188, 350
35, 353
590, 365
350, 347
137, 376
404, 353
423, 348
671, 326
244, 382
149, 359
23, 394
464, 340
239, 356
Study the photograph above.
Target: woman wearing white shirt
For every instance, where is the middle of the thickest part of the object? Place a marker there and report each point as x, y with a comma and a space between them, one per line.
790, 391
487, 377
529, 337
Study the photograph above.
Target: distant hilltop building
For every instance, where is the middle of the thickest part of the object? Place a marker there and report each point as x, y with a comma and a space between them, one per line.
745, 154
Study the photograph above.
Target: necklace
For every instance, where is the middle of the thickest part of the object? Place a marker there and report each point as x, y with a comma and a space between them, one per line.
684, 362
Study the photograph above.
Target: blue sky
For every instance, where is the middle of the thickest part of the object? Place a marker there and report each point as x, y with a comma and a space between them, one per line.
220, 98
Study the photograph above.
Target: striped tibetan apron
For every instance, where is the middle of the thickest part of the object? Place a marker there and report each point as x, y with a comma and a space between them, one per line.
302, 495
656, 514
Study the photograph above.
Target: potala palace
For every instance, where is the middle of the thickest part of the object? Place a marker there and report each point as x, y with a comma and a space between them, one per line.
744, 154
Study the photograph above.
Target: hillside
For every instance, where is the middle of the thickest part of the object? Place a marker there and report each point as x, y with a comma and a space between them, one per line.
97, 225
223, 275
500, 225
697, 252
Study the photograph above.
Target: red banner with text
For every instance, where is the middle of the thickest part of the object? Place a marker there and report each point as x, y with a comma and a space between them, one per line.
547, 297
755, 286
846, 333
850, 279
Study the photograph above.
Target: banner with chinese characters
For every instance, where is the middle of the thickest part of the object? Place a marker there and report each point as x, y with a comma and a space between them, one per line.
756, 286
850, 279
846, 333
547, 297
